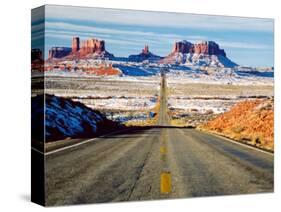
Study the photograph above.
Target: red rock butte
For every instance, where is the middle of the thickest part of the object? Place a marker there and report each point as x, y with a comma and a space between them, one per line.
202, 47
182, 47
91, 46
75, 44
81, 49
208, 47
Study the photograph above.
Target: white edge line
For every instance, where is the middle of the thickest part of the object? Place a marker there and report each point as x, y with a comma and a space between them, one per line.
80, 143
37, 150
239, 143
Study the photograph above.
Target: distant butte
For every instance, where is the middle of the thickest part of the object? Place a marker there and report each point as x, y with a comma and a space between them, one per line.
90, 48
182, 47
144, 55
207, 53
202, 53
59, 52
202, 47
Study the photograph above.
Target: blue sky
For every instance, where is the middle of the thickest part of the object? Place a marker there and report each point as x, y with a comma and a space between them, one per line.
247, 41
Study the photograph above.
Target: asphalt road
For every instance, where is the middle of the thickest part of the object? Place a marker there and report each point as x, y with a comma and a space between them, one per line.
163, 118
155, 163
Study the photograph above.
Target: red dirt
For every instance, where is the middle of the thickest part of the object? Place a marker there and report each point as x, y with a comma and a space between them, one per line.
250, 121
103, 71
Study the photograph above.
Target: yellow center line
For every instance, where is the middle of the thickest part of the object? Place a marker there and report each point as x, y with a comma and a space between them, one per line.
165, 184
163, 150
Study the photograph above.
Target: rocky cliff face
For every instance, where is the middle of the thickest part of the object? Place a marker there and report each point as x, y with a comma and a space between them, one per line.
75, 44
202, 47
59, 52
91, 48
203, 53
207, 47
144, 55
182, 47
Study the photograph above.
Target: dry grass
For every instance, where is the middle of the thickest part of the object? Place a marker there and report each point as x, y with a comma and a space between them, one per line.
179, 123
141, 123
100, 86
219, 90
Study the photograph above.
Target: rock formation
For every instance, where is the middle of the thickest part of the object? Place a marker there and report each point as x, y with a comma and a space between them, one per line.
91, 48
145, 50
144, 55
182, 47
207, 47
202, 47
203, 53
59, 52
75, 44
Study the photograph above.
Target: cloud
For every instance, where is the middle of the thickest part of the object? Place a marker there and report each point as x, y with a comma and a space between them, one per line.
69, 37
83, 28
243, 45
158, 19
105, 33
128, 30
131, 37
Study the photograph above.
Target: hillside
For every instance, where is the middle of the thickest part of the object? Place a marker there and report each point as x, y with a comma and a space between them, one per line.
250, 122
65, 118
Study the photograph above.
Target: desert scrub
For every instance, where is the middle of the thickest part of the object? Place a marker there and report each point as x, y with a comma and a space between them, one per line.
237, 129
258, 140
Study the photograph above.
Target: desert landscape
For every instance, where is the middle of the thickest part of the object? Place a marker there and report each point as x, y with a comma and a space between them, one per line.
149, 126
127, 90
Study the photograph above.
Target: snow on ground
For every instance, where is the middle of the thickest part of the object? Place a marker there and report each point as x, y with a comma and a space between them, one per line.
138, 87
202, 105
222, 76
134, 104
107, 93
215, 90
65, 118
123, 117
181, 73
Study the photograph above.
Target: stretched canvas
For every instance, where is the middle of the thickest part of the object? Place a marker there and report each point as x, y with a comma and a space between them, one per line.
134, 105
